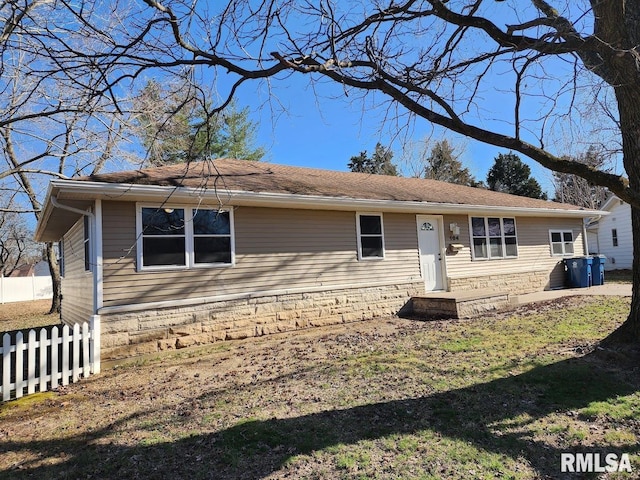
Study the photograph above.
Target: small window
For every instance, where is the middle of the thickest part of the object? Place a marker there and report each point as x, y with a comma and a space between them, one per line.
614, 236
370, 236
494, 237
561, 242
87, 243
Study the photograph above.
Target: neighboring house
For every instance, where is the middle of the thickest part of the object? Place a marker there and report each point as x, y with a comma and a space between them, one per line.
612, 236
39, 269
178, 255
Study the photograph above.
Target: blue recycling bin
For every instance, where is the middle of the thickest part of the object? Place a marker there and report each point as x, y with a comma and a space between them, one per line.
597, 269
578, 270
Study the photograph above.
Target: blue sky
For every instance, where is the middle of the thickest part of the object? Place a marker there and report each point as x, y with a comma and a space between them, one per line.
320, 127
312, 130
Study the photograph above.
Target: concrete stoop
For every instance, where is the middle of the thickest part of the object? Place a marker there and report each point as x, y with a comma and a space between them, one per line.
464, 304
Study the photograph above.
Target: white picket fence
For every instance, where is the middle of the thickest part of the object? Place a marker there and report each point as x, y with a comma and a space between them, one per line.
48, 358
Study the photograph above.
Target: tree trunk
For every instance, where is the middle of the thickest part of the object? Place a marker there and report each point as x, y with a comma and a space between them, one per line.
628, 99
54, 269
634, 315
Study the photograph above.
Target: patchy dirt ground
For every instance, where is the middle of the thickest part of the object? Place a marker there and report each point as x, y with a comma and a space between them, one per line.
389, 398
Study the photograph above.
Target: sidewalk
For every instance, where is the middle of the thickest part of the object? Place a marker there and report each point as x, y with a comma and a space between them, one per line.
616, 289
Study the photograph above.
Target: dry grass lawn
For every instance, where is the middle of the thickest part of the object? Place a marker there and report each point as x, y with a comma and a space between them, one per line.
20, 315
498, 397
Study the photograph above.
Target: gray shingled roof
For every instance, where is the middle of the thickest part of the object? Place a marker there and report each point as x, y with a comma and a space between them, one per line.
241, 175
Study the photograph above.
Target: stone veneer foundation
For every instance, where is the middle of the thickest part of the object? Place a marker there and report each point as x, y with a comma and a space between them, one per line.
148, 331
513, 283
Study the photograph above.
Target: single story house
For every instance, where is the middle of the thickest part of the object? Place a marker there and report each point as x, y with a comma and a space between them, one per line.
192, 253
612, 235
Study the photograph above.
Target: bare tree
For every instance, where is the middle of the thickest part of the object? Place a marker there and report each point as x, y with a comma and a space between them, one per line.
17, 246
577, 190
522, 76
54, 120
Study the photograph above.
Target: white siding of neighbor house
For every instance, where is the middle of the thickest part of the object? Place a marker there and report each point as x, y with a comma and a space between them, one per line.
534, 249
275, 249
620, 257
77, 283
592, 239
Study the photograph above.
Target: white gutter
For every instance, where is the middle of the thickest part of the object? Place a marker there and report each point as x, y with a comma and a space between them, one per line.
55, 203
224, 197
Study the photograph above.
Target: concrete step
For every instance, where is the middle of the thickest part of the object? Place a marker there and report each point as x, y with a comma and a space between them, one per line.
465, 304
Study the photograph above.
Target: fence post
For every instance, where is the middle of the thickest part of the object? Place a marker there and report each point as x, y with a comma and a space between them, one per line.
6, 367
94, 346
19, 365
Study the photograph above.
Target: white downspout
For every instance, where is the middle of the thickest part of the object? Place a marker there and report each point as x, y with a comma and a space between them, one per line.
99, 298
585, 240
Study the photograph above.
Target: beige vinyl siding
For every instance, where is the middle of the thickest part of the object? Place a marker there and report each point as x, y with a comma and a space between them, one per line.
275, 249
534, 251
77, 283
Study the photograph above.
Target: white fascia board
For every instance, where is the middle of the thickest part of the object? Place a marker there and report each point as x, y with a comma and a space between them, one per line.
609, 202
117, 191
46, 213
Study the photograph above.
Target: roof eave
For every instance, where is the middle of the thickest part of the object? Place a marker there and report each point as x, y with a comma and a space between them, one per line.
47, 208
117, 191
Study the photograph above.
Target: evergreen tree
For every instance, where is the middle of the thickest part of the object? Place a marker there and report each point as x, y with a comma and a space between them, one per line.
379, 163
174, 127
510, 175
443, 164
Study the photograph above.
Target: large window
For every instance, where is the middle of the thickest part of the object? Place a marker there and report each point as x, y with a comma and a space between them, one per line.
493, 237
184, 237
561, 242
370, 236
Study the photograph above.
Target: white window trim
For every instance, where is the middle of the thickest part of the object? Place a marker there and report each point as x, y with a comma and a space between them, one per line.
562, 232
61, 259
502, 236
87, 235
189, 211
359, 236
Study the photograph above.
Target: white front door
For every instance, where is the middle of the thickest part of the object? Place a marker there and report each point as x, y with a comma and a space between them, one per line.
430, 251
